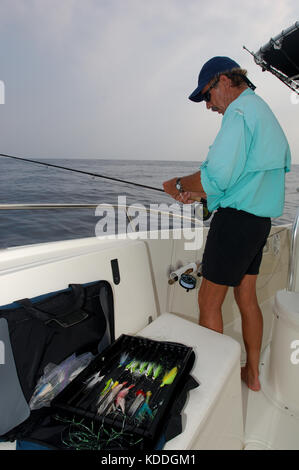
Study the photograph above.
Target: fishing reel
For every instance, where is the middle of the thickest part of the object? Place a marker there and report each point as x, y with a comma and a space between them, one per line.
186, 277
187, 281
206, 214
205, 211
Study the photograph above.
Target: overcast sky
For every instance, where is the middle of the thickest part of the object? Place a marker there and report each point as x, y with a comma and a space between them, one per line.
111, 78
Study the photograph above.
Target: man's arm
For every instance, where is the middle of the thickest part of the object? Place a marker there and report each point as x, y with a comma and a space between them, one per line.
191, 185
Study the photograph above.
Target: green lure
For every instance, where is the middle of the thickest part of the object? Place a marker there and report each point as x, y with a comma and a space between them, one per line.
109, 384
157, 371
128, 366
132, 366
169, 377
149, 369
142, 367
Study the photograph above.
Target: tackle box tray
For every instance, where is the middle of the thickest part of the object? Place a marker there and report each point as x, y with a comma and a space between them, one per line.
132, 366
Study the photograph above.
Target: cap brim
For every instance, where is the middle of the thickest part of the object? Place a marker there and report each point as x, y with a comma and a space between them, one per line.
196, 95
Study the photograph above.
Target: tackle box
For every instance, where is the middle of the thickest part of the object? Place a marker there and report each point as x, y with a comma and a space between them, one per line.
158, 371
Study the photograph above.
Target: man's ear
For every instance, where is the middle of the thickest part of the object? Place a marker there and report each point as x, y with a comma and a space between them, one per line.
225, 81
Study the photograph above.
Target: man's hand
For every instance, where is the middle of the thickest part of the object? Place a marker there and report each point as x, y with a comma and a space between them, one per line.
186, 197
169, 188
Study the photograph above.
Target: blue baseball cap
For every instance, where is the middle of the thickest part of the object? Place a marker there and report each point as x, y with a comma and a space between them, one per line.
209, 70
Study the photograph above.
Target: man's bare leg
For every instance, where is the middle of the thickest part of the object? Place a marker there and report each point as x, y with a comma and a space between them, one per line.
252, 328
210, 300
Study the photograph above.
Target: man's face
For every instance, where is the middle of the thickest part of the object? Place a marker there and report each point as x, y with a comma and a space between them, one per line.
220, 94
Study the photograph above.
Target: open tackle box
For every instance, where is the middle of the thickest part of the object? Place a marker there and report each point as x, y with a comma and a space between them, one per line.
44, 333
128, 391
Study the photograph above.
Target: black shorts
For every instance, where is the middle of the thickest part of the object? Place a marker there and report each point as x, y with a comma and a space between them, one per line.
234, 246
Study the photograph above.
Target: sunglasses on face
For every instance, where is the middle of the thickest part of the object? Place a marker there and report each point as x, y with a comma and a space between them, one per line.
207, 95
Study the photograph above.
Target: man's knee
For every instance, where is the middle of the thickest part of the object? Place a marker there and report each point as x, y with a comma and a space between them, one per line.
210, 299
238, 295
211, 296
245, 296
205, 302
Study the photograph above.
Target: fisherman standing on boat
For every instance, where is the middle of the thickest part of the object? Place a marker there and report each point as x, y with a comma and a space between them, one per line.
243, 179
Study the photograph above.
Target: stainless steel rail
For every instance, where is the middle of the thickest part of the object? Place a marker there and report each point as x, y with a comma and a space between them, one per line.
13, 207
294, 254
44, 206
126, 208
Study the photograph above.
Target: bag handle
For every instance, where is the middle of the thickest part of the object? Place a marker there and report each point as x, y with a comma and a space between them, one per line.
62, 320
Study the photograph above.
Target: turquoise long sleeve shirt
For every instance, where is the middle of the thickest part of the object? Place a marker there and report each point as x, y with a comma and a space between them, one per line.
245, 167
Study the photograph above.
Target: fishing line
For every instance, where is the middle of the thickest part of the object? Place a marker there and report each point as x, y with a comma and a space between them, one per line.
81, 436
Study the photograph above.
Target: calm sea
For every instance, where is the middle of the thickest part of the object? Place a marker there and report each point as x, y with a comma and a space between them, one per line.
23, 182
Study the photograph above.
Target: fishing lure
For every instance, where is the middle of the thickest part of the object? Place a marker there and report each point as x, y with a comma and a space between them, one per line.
140, 397
123, 359
157, 371
149, 369
142, 367
94, 379
145, 408
132, 365
108, 400
129, 365
43, 390
169, 377
108, 385
120, 399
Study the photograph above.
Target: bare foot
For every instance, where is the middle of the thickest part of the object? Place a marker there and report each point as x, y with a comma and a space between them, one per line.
250, 379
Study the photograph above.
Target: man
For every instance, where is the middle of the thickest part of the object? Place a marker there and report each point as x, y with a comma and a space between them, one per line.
243, 179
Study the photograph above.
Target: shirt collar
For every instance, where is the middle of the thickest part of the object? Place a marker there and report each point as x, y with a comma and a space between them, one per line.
247, 91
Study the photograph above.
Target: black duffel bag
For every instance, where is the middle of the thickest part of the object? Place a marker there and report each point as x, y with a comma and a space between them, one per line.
47, 329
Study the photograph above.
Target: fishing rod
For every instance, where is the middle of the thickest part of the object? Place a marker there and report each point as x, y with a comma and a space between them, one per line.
206, 213
81, 171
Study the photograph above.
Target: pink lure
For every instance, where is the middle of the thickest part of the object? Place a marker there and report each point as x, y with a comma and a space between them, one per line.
120, 399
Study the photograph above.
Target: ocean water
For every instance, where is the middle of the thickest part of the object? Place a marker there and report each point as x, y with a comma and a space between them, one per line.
24, 182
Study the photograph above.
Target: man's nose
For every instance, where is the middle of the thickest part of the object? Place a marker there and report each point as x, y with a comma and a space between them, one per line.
208, 104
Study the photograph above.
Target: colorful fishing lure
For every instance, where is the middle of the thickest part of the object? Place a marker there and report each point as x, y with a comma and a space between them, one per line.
123, 359
142, 367
132, 366
145, 408
149, 369
43, 390
169, 377
120, 399
157, 371
108, 385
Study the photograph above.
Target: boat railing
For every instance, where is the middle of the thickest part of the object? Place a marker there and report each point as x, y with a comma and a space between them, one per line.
294, 254
195, 218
